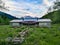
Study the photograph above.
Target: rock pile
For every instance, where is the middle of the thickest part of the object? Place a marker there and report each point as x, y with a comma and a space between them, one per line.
19, 38
23, 33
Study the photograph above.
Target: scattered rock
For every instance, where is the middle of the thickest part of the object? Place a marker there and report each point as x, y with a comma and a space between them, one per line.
8, 39
18, 39
21, 39
23, 33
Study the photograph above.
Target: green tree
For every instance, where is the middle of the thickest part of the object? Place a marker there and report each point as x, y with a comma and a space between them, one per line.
4, 19
56, 17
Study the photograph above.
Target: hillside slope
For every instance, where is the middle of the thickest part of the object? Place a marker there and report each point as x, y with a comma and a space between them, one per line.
5, 18
54, 16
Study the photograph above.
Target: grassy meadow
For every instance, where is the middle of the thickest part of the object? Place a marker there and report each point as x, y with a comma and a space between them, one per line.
36, 36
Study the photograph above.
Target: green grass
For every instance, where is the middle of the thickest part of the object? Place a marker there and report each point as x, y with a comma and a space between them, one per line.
37, 35
44, 36
8, 31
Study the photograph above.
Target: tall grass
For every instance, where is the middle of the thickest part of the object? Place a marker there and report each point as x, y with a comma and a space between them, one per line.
36, 36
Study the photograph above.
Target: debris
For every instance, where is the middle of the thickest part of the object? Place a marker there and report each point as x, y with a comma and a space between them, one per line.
18, 40
8, 39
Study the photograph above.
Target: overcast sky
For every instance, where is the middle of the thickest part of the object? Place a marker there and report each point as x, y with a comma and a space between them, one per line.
35, 8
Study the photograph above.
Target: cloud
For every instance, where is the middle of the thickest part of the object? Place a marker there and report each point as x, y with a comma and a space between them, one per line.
22, 8
46, 2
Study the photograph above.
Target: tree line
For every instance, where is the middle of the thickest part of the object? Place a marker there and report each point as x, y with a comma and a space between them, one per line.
4, 19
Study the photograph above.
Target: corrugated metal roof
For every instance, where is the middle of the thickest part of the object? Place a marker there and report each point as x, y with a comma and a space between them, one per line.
39, 20
44, 20
16, 21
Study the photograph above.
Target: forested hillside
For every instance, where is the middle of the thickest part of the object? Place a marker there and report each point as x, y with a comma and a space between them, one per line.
5, 18
54, 16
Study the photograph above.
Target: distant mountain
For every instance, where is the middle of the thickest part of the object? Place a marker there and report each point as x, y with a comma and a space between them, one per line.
7, 15
5, 18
